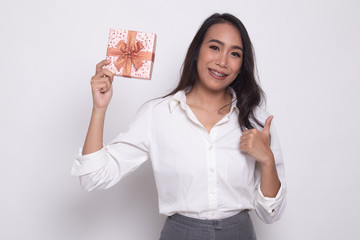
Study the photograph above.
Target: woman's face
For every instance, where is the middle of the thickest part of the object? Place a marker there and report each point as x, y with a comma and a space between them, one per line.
220, 57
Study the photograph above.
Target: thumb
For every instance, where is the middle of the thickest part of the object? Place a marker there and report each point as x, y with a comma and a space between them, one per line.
266, 129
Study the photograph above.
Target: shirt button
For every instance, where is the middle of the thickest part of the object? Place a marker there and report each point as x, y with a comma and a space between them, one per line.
213, 192
212, 170
210, 147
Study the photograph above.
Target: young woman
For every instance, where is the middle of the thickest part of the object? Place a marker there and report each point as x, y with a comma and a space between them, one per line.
214, 152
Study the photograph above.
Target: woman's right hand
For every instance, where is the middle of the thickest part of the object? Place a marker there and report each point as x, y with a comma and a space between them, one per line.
101, 86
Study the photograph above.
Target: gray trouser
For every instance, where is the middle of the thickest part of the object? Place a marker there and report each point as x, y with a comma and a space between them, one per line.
179, 227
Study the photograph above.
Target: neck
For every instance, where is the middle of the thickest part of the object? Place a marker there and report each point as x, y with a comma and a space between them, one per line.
207, 99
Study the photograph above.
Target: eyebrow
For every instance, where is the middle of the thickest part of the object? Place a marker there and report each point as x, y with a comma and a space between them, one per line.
222, 44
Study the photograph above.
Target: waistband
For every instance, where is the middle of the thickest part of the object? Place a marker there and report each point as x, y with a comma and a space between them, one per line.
214, 223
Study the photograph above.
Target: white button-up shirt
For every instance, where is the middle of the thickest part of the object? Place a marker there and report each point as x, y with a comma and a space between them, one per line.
198, 174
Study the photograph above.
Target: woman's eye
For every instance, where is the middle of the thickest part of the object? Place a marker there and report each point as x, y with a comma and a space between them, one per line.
214, 48
236, 54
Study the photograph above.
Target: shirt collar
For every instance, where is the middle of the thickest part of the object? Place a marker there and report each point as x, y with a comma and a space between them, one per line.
179, 98
234, 100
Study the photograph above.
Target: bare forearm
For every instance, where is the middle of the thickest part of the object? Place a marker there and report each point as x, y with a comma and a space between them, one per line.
270, 183
94, 137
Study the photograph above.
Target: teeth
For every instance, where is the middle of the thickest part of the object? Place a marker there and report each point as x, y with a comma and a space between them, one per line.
218, 74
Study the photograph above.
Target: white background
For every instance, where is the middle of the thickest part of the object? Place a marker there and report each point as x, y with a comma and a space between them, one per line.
308, 59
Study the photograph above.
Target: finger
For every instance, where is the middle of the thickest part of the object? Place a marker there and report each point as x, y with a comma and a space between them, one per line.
101, 64
248, 144
104, 72
244, 147
249, 136
98, 79
104, 89
108, 85
107, 72
105, 80
245, 138
250, 131
99, 87
266, 129
104, 84
245, 141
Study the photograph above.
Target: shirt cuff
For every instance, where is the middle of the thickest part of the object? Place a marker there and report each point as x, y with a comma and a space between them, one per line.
269, 204
88, 163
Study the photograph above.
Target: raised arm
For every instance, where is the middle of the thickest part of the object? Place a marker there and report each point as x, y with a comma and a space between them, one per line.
102, 90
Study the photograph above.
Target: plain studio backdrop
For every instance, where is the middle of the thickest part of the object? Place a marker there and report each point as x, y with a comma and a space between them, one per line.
308, 60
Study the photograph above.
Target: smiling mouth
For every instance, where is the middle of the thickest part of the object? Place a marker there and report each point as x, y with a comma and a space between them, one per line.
218, 74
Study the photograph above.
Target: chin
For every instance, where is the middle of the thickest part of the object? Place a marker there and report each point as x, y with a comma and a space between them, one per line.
217, 87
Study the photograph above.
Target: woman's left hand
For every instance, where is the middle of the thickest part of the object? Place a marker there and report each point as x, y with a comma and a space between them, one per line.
257, 143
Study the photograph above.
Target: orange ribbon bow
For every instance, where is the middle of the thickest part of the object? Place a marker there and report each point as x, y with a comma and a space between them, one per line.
129, 53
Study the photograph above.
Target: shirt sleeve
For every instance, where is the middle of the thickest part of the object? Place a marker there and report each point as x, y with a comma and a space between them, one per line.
268, 209
124, 154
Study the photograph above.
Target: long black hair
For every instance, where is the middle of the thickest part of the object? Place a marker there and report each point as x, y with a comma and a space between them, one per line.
248, 92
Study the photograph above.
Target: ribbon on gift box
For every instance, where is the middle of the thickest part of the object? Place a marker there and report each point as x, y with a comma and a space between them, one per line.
129, 54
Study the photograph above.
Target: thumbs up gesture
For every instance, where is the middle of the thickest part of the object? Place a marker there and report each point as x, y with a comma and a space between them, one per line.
257, 143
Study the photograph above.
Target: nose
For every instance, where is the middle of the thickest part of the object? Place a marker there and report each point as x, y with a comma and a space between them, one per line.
221, 61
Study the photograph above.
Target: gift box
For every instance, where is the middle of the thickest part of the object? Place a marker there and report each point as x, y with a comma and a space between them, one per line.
131, 53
